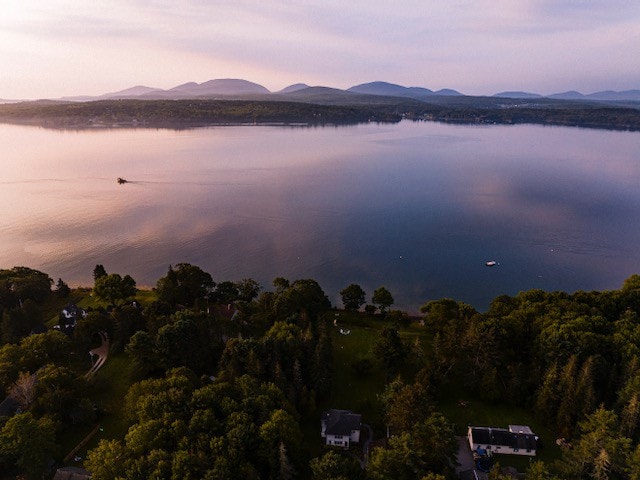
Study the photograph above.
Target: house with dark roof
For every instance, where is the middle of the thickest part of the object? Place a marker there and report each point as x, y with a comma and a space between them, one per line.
68, 318
340, 427
516, 440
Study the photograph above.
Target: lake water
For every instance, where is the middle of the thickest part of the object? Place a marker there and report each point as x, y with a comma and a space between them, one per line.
416, 207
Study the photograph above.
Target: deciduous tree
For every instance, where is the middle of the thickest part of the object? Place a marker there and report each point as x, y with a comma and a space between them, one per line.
302, 296
98, 272
353, 297
382, 298
390, 350
248, 289
333, 466
29, 442
184, 284
62, 289
107, 460
114, 288
23, 389
22, 283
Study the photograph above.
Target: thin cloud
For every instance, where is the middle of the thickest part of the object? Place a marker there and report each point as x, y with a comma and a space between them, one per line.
478, 46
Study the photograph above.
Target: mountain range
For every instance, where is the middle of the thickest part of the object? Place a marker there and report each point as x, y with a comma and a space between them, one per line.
238, 88
604, 96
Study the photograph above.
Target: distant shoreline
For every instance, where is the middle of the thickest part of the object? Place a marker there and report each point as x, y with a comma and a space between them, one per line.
184, 114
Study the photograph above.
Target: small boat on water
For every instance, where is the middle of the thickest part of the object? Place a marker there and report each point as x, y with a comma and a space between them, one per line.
491, 263
121, 180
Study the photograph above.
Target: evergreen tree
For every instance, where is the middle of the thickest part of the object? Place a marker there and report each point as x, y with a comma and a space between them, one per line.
98, 272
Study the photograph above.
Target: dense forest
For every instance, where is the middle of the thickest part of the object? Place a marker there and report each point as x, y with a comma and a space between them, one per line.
316, 111
227, 379
186, 113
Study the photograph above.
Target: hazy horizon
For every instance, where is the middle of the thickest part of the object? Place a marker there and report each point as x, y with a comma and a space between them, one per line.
61, 48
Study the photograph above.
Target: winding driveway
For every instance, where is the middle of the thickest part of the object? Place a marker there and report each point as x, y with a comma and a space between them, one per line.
102, 353
365, 446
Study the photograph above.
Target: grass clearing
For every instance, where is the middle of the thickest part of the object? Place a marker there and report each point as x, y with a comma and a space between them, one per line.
109, 387
360, 393
347, 349
112, 383
354, 391
53, 306
463, 411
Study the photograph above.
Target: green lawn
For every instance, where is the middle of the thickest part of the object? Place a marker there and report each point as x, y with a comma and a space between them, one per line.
352, 391
110, 385
145, 297
54, 305
359, 392
464, 410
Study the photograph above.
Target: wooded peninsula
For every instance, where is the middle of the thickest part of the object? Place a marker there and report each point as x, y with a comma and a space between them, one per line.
316, 110
204, 379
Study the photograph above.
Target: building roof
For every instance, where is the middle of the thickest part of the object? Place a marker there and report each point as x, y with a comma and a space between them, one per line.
502, 436
71, 473
341, 422
520, 429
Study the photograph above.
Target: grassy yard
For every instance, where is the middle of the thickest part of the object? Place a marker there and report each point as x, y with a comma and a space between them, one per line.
83, 297
110, 385
353, 391
464, 411
360, 392
54, 305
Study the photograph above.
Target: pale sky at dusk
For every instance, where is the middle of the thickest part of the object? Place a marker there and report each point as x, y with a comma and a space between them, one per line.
53, 48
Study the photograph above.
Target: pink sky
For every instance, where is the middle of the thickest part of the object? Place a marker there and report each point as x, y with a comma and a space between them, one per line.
53, 48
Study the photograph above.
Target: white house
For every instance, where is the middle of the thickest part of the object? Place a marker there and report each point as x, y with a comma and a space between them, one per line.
516, 440
340, 427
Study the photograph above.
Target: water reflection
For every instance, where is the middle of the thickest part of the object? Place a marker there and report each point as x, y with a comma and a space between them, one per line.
418, 207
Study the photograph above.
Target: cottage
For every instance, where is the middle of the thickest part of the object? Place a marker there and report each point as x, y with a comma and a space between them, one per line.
516, 440
340, 427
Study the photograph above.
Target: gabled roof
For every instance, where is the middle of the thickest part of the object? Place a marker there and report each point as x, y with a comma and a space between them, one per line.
341, 422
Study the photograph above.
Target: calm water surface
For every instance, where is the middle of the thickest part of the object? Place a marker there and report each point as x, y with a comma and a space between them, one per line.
416, 207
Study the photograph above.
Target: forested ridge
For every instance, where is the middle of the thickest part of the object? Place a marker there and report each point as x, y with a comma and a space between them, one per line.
201, 112
185, 113
227, 379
